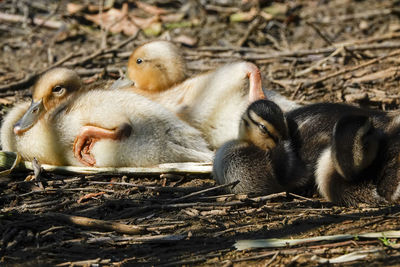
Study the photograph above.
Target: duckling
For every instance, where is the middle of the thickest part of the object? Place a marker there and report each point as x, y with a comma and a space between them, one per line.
262, 158
318, 128
155, 67
212, 102
312, 127
65, 125
361, 165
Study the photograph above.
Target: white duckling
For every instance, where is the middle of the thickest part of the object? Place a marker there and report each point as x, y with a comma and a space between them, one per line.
213, 102
65, 125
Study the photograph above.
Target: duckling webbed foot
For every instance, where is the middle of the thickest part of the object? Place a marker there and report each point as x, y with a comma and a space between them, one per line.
89, 135
255, 90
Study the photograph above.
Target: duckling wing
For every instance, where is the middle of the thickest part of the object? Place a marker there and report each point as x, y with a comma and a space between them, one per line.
251, 166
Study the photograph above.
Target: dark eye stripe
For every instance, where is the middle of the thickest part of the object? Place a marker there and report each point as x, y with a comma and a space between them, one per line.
273, 137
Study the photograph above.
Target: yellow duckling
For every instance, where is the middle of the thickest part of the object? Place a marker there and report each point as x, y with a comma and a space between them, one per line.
65, 125
212, 102
155, 67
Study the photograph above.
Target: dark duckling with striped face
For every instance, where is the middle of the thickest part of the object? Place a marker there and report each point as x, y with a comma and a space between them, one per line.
344, 149
361, 165
261, 158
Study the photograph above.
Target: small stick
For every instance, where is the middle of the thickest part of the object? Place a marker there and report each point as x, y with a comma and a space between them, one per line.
31, 206
141, 239
212, 204
92, 71
340, 72
155, 188
301, 197
272, 259
29, 79
93, 262
326, 39
319, 32
250, 29
180, 167
299, 53
282, 242
99, 224
37, 21
204, 191
100, 52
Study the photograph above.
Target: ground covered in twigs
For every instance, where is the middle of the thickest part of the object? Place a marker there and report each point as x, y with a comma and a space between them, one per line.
340, 51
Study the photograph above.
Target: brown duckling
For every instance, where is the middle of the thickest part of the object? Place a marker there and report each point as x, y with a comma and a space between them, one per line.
262, 158
361, 165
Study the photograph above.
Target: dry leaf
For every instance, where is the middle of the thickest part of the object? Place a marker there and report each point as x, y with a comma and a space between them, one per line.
151, 9
73, 8
277, 9
383, 74
7, 100
244, 16
356, 97
186, 40
143, 23
89, 196
176, 17
115, 21
153, 29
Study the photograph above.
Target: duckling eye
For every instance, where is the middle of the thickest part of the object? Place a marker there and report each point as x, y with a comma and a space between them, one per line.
263, 128
58, 90
139, 60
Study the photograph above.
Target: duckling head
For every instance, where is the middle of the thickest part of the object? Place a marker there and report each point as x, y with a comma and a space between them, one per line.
156, 66
355, 145
263, 124
53, 88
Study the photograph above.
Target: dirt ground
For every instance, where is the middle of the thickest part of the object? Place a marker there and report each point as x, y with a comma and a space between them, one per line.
339, 51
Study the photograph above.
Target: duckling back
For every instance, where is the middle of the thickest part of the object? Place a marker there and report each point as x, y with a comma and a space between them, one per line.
364, 167
250, 165
158, 136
